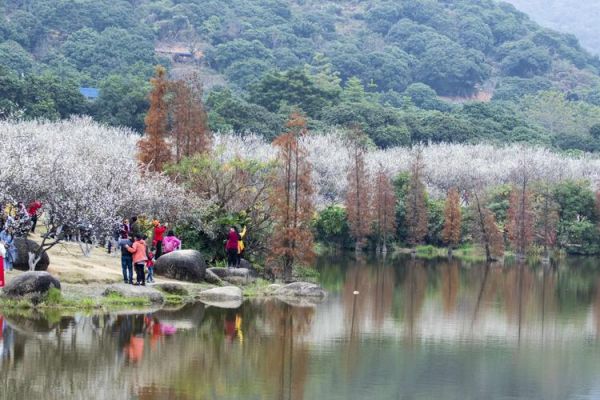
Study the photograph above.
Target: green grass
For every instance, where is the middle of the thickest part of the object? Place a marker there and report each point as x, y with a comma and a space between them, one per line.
115, 299
306, 272
174, 299
256, 288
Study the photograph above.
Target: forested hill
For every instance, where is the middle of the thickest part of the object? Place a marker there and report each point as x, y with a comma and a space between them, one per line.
402, 69
579, 17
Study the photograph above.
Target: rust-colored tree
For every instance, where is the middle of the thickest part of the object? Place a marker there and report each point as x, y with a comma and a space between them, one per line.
384, 204
154, 152
546, 218
452, 220
486, 231
291, 197
520, 220
416, 204
357, 194
190, 131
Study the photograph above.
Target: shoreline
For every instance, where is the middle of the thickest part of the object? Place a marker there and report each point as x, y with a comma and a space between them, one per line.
88, 297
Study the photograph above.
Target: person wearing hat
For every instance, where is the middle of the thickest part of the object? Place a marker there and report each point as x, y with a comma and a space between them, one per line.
159, 235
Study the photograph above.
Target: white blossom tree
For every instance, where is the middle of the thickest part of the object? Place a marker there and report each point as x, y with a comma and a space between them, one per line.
86, 176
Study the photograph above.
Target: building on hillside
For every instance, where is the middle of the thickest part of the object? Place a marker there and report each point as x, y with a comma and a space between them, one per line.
179, 53
90, 94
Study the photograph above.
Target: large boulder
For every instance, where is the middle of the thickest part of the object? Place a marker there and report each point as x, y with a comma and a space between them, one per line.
236, 276
32, 285
222, 297
300, 289
221, 293
183, 265
133, 291
24, 247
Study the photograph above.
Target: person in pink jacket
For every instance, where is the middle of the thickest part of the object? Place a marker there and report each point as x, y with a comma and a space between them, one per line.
139, 252
170, 243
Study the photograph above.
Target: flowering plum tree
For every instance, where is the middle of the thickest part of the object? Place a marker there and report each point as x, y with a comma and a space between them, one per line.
84, 174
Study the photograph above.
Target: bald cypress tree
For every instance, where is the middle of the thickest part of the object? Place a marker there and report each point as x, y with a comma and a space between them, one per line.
153, 150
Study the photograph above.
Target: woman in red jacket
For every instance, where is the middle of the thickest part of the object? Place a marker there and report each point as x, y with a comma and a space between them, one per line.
232, 248
159, 235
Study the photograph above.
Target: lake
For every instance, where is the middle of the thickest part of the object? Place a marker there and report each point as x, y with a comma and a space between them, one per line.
415, 330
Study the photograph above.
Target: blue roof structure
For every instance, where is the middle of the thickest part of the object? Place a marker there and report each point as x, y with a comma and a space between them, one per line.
89, 93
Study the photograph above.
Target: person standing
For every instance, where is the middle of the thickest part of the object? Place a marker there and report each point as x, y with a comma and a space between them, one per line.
126, 258
241, 246
139, 251
2, 255
33, 210
231, 247
159, 234
134, 228
7, 238
150, 265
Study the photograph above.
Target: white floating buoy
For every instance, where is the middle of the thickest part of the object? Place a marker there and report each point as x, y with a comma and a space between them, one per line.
355, 292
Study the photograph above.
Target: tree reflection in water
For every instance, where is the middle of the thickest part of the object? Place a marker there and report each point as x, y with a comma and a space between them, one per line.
411, 318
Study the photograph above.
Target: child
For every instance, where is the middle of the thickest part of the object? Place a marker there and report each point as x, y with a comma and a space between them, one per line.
150, 265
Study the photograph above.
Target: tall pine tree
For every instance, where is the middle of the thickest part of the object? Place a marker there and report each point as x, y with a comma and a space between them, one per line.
190, 130
291, 198
416, 206
384, 204
153, 150
357, 195
452, 220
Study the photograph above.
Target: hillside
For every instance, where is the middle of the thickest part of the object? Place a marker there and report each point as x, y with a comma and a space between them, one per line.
408, 71
579, 17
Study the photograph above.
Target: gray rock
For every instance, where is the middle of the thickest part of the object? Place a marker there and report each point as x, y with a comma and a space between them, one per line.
30, 285
213, 278
300, 289
225, 293
272, 288
220, 272
230, 304
184, 265
172, 288
234, 275
131, 291
24, 246
246, 264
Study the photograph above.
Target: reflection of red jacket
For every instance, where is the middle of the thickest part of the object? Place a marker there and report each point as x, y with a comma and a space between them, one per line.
159, 232
230, 328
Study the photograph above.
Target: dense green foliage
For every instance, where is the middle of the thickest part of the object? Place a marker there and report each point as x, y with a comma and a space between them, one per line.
406, 71
579, 17
577, 230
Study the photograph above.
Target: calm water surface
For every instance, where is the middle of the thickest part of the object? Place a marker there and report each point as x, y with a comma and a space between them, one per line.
416, 330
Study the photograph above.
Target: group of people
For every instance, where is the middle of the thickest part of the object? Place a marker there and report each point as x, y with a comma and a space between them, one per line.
235, 247
16, 220
136, 254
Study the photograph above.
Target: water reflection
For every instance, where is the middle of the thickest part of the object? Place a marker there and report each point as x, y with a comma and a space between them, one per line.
401, 328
